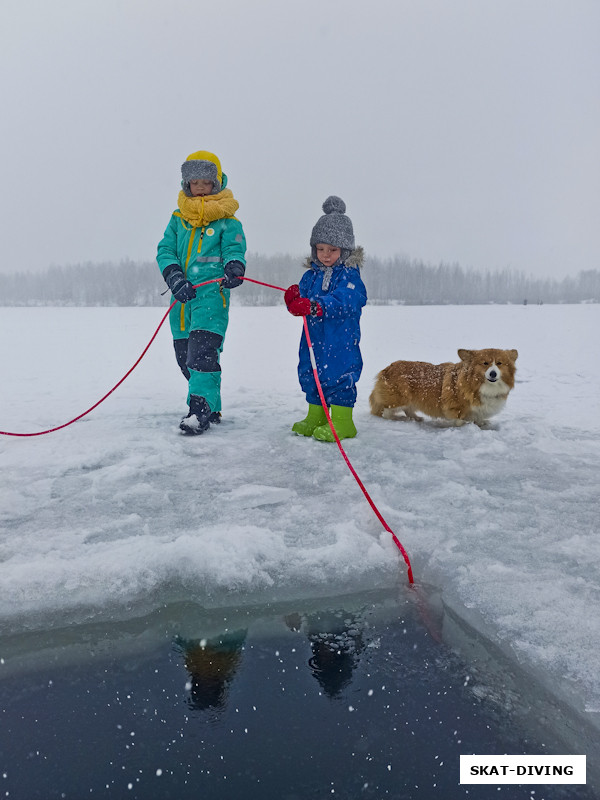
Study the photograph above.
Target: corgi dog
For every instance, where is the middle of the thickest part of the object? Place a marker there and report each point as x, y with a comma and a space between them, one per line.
473, 390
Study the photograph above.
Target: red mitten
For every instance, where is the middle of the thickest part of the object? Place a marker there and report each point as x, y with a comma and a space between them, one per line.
303, 307
299, 307
291, 293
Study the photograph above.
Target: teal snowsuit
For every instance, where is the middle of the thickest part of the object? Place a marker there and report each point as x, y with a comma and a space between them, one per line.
202, 253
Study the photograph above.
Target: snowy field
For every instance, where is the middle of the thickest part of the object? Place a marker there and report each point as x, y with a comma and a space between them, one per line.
119, 514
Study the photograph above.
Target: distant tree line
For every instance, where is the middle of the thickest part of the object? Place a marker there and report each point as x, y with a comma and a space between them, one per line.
388, 281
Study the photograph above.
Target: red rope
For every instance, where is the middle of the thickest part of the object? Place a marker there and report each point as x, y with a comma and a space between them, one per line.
339, 444
321, 395
116, 386
347, 460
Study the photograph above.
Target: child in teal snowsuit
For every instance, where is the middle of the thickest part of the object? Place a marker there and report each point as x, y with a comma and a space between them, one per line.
203, 240
331, 295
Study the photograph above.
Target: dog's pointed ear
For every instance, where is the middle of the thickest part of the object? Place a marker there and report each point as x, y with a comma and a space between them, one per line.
514, 354
465, 355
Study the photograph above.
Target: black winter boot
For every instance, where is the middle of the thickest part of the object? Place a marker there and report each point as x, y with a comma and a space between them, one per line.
198, 420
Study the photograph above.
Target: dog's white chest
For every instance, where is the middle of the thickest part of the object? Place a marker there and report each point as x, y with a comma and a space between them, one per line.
493, 399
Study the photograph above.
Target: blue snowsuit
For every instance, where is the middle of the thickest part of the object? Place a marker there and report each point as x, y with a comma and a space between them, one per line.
335, 335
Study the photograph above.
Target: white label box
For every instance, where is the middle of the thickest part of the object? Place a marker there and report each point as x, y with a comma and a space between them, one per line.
523, 769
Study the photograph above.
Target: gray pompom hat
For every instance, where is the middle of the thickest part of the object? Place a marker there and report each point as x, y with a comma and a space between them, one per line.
333, 228
199, 170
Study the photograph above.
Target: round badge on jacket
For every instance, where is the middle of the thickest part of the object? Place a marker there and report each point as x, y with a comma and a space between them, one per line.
210, 231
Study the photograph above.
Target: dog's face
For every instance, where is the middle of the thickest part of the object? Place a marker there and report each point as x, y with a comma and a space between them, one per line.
491, 366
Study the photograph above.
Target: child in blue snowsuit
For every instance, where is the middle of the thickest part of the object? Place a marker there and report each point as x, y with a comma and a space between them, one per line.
331, 295
203, 241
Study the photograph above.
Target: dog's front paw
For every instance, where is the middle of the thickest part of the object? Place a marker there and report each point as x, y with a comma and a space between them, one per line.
398, 414
486, 425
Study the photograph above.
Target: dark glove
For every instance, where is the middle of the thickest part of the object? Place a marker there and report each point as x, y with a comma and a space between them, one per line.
234, 272
303, 307
180, 287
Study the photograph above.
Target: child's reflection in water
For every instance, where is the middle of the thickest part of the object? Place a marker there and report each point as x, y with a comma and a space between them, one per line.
211, 664
336, 642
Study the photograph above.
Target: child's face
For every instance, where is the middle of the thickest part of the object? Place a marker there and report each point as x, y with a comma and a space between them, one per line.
200, 188
327, 254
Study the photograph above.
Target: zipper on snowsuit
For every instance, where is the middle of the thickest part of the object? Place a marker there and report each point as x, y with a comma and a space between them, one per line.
187, 261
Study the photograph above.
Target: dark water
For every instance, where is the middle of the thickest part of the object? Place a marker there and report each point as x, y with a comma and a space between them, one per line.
348, 698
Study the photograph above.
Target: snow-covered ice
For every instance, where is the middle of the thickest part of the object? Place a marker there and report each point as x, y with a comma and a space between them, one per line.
118, 513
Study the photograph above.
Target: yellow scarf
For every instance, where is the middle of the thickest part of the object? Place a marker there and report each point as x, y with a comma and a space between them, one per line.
199, 211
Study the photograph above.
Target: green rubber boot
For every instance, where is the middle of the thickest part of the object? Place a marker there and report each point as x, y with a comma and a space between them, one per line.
314, 418
341, 416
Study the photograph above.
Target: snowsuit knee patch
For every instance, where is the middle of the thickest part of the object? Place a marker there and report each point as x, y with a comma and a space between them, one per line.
203, 351
181, 352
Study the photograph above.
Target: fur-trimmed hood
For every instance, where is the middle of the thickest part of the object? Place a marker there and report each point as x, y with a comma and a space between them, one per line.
355, 259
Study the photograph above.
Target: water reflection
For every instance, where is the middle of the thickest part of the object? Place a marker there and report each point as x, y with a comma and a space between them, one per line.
336, 641
345, 697
211, 665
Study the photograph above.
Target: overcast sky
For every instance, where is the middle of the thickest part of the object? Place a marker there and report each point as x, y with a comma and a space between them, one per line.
456, 130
